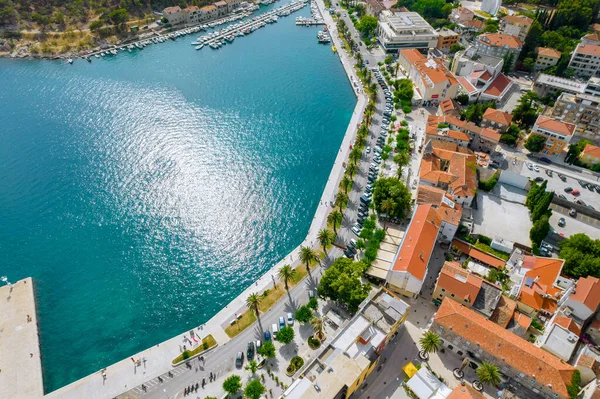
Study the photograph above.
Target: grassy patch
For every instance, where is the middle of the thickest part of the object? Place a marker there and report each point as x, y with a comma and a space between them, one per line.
207, 343
487, 248
268, 299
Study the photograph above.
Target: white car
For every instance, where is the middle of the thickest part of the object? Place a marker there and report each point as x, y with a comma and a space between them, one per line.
290, 319
368, 150
536, 168
529, 166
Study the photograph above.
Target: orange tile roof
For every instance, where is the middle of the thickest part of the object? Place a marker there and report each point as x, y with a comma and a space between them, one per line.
418, 242
548, 52
456, 280
505, 346
498, 86
595, 27
555, 125
591, 150
191, 8
589, 49
435, 70
542, 274
500, 40
567, 323
465, 392
491, 134
593, 37
448, 105
475, 23
454, 134
518, 19
466, 85
208, 8
429, 194
504, 312
481, 256
498, 116
450, 215
522, 319
412, 55
169, 10
587, 292
486, 76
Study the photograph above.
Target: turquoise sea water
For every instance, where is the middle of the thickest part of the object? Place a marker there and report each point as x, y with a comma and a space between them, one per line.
144, 192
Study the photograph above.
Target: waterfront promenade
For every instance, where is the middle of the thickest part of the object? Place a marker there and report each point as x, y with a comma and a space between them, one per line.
156, 361
20, 363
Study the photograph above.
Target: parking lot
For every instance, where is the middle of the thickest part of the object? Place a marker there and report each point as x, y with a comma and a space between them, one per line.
579, 224
589, 197
495, 217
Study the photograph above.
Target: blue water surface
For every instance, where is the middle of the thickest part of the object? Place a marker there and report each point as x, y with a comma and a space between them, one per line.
145, 191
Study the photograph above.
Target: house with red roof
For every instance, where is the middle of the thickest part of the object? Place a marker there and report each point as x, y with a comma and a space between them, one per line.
409, 268
174, 15
584, 300
558, 134
498, 89
585, 60
560, 337
590, 155
471, 335
537, 289
516, 25
499, 45
482, 138
496, 119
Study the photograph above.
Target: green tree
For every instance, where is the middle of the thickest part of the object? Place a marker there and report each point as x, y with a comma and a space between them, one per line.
581, 255
395, 191
351, 169
232, 384
342, 282
540, 230
389, 59
313, 303
575, 386
254, 389
509, 60
94, 26
360, 244
267, 350
252, 366
346, 180
340, 200
528, 64
526, 111
326, 238
303, 314
285, 335
489, 373
535, 142
335, 219
367, 25
575, 150
253, 302
491, 26
430, 343
118, 17
285, 274
308, 256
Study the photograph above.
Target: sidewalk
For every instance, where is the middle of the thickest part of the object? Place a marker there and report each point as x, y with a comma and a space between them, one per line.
124, 375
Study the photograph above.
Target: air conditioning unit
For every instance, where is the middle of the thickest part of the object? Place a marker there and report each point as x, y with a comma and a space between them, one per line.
572, 337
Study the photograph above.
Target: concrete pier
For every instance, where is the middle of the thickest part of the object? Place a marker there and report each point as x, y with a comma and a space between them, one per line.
20, 362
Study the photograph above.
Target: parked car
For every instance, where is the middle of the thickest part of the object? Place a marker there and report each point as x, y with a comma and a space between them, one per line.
536, 168
568, 189
250, 350
290, 319
258, 344
549, 172
562, 222
562, 177
572, 212
281, 322
274, 328
546, 160
529, 165
239, 360
575, 192
562, 196
267, 336
539, 179
311, 294
368, 150
356, 229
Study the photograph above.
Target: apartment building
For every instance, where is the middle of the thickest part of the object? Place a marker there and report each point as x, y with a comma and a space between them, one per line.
222, 8
482, 138
402, 30
546, 58
409, 267
593, 87
496, 119
516, 25
590, 155
585, 60
460, 15
558, 134
582, 110
233, 5
433, 80
342, 365
584, 301
499, 45
174, 15
466, 288
560, 337
491, 6
446, 39
209, 12
471, 335
451, 168
192, 14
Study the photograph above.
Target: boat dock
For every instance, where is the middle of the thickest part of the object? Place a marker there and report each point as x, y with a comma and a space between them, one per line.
20, 356
253, 24
309, 22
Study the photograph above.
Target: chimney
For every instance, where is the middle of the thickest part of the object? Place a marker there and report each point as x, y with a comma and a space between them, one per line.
536, 279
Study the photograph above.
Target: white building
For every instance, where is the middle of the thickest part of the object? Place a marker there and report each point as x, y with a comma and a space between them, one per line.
585, 60
174, 15
558, 339
585, 299
405, 30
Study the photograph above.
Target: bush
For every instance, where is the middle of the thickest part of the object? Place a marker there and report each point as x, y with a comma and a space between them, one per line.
297, 361
313, 303
285, 335
303, 314
313, 342
488, 185
484, 239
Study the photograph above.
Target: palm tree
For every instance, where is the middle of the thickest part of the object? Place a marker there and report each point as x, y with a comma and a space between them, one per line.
355, 154
358, 57
335, 218
308, 255
345, 183
285, 274
430, 343
253, 301
325, 238
317, 324
252, 366
488, 373
369, 110
340, 199
352, 169
387, 205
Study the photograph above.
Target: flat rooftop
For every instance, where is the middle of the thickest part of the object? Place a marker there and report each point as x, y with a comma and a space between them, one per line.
20, 363
561, 83
406, 22
385, 310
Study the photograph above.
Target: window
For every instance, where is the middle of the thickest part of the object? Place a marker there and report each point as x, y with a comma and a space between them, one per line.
452, 295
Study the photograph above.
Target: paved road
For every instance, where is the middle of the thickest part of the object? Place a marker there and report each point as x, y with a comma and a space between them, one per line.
222, 359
